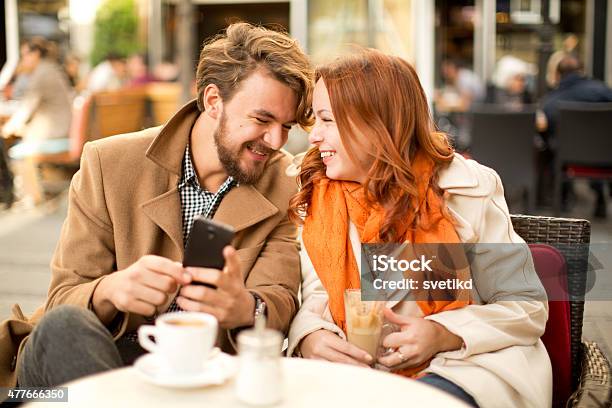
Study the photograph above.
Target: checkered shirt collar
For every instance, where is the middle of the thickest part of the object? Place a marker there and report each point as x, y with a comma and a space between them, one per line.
190, 177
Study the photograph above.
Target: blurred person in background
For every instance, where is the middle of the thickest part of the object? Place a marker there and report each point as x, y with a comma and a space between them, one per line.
569, 47
166, 71
12, 92
509, 87
461, 89
18, 83
109, 75
138, 70
573, 86
6, 178
72, 67
43, 116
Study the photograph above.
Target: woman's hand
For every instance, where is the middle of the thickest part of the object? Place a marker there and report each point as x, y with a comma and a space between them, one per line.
326, 345
417, 341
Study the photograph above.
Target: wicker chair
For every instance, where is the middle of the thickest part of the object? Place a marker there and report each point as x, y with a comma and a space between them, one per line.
592, 382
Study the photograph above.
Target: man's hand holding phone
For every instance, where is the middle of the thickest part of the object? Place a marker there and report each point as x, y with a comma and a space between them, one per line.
210, 276
140, 288
228, 299
217, 285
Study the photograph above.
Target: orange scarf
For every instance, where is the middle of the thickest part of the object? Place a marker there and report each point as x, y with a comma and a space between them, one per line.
327, 242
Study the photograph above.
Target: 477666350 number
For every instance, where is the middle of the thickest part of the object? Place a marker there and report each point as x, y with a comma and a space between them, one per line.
23, 394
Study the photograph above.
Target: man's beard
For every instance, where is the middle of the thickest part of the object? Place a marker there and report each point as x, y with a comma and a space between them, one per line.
230, 157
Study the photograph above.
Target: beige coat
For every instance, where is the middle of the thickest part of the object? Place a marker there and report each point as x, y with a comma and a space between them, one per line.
503, 362
124, 203
46, 108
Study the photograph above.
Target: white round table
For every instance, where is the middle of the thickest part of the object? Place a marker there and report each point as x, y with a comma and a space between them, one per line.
307, 383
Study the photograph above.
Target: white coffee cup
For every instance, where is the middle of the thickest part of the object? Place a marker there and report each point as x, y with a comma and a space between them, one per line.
183, 340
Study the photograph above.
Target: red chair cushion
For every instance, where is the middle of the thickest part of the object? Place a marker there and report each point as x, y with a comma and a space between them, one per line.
551, 268
588, 172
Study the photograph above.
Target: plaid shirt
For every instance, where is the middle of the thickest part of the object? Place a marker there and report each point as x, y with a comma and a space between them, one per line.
194, 201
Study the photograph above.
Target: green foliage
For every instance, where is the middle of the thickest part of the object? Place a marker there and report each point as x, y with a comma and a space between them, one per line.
115, 30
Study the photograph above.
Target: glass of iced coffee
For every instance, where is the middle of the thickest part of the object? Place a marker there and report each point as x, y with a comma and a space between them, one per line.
364, 321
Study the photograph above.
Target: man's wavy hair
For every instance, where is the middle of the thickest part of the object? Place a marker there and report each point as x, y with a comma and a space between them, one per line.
229, 58
378, 98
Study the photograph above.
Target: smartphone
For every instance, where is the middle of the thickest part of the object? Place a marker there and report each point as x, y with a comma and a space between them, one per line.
205, 244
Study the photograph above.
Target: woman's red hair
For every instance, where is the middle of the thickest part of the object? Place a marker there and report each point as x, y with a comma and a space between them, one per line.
378, 98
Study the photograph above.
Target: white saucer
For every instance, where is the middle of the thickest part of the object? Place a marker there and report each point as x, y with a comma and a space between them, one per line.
216, 371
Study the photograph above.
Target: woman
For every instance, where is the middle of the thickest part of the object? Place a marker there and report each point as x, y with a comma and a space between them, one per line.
43, 115
379, 173
510, 84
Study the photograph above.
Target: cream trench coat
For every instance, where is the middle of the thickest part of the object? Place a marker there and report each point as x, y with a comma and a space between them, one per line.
503, 362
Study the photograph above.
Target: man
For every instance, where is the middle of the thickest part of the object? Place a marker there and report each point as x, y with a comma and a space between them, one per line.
574, 87
133, 202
